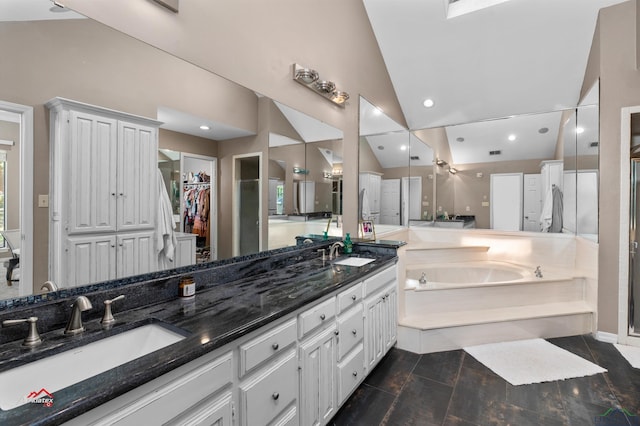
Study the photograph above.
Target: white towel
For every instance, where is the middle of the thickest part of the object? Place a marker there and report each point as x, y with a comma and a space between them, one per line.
546, 216
165, 238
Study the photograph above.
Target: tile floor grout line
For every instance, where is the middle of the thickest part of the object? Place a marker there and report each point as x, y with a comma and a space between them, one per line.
453, 388
385, 419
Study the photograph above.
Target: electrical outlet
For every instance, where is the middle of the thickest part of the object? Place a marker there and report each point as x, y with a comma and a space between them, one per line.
485, 204
43, 200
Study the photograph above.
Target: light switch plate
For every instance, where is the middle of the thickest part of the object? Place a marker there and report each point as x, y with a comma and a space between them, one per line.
43, 200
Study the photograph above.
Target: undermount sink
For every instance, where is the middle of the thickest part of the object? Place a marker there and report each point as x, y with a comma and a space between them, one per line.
353, 261
42, 378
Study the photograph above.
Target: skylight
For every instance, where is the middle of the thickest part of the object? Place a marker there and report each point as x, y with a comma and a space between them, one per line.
462, 7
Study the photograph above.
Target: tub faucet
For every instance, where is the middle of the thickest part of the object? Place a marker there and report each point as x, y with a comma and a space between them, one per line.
538, 272
74, 326
423, 280
333, 251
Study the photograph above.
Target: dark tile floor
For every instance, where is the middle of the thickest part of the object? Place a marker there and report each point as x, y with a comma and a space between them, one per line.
453, 389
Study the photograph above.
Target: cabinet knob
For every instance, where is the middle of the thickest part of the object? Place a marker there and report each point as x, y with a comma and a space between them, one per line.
275, 346
353, 297
354, 331
121, 194
113, 194
386, 295
355, 374
322, 317
336, 332
275, 396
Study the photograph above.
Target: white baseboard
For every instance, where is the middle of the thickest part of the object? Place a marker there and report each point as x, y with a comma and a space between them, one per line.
603, 336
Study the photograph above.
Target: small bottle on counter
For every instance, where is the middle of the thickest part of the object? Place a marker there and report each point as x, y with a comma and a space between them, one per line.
187, 287
348, 245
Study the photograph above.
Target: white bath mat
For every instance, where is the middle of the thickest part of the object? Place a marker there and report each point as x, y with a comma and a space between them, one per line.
532, 361
630, 353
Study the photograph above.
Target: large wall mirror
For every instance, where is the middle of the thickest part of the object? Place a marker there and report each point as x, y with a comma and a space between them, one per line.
499, 174
210, 126
305, 177
395, 172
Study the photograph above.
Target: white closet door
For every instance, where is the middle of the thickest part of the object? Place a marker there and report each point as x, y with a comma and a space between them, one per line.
137, 180
92, 174
506, 201
390, 202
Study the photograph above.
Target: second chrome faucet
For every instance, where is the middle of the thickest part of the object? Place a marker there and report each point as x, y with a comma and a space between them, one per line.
74, 326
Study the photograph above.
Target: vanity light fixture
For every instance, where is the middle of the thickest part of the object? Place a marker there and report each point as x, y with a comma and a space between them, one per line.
440, 163
311, 79
453, 171
300, 171
328, 175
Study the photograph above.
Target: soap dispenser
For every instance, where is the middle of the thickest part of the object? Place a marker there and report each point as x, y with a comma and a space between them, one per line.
348, 245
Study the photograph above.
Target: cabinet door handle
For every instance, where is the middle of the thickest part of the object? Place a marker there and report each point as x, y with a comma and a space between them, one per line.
275, 346
336, 332
354, 331
275, 396
353, 297
322, 317
355, 374
386, 295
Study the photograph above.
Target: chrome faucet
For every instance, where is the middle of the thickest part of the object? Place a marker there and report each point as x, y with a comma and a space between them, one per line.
333, 251
538, 272
74, 326
49, 286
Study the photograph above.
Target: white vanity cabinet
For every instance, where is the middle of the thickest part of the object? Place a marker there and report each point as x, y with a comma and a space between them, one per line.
185, 253
297, 370
380, 316
104, 184
318, 388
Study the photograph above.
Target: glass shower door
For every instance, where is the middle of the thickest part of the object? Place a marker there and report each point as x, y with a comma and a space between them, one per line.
634, 256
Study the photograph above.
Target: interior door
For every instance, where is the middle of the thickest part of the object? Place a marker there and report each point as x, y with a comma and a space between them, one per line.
411, 199
532, 202
506, 201
390, 202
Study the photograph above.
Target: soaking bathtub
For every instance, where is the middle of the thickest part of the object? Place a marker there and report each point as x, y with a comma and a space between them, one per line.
466, 274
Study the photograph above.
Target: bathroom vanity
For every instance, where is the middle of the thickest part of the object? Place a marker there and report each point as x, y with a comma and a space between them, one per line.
276, 338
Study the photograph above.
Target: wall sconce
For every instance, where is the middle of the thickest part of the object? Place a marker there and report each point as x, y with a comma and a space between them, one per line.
328, 175
327, 89
300, 171
453, 171
440, 163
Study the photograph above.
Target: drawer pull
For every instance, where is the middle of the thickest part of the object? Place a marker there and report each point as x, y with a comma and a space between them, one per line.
322, 317
336, 332
275, 346
275, 396
355, 374
354, 331
353, 297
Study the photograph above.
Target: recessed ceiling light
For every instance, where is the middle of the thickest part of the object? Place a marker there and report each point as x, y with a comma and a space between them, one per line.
543, 130
428, 103
512, 138
205, 127
460, 139
403, 147
579, 130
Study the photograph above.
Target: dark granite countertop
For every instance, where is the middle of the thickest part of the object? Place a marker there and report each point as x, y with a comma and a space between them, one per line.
217, 315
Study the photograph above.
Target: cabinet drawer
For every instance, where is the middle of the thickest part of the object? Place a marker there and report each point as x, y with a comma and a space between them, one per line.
349, 297
375, 283
270, 392
350, 330
270, 343
350, 374
321, 314
290, 418
162, 403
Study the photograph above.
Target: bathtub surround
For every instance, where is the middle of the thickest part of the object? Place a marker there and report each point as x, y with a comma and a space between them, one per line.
523, 362
446, 316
